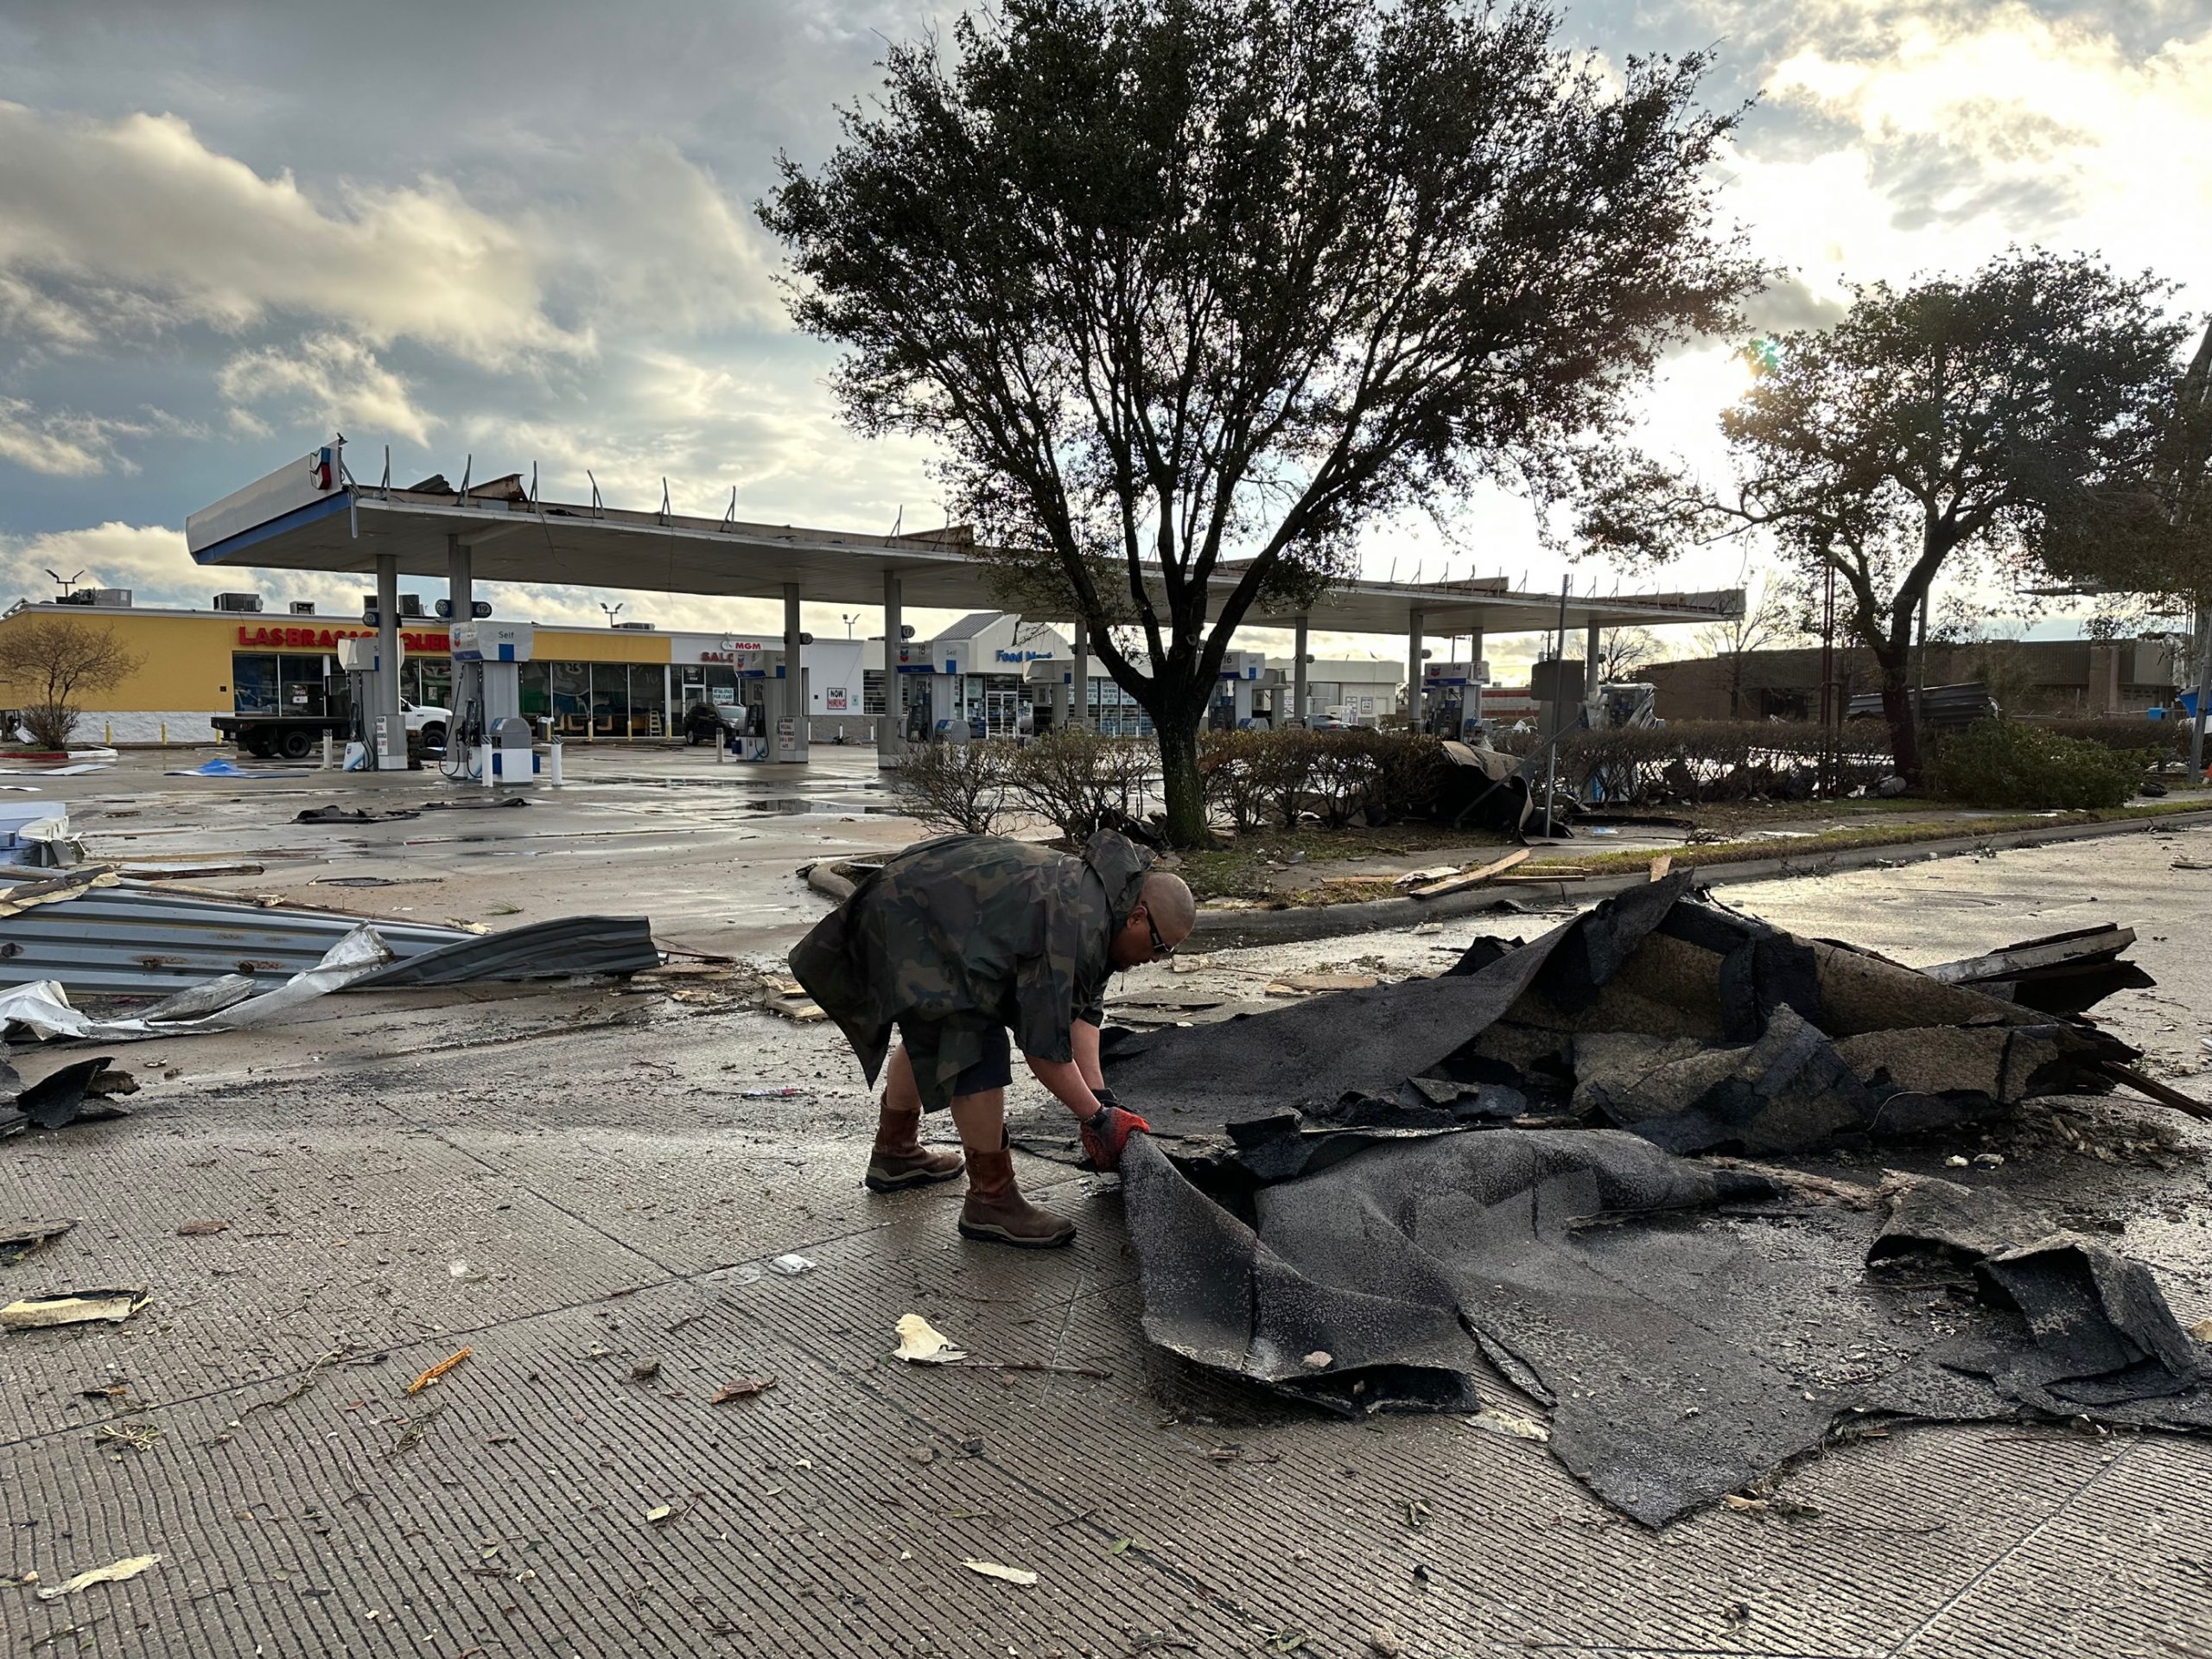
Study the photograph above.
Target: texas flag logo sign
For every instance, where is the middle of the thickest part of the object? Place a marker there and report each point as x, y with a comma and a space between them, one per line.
321, 465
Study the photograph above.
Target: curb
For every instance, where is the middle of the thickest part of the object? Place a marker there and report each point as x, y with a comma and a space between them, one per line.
1238, 929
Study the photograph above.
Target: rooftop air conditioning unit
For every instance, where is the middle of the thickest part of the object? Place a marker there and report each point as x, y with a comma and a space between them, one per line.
635, 627
116, 598
82, 596
238, 601
304, 607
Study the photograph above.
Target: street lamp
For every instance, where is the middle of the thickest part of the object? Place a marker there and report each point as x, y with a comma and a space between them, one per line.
613, 611
68, 583
848, 621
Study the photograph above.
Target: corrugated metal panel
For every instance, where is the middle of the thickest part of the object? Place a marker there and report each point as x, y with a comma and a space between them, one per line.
134, 939
566, 945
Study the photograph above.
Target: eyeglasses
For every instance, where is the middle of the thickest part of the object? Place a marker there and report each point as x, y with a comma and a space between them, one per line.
1160, 948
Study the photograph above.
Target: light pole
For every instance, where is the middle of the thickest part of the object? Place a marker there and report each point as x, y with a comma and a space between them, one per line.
613, 611
848, 621
69, 584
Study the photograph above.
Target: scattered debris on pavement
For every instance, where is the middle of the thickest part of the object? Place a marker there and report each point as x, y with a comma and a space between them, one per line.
114, 1573
995, 1570
743, 1388
921, 1342
1533, 1167
83, 1092
73, 1308
334, 813
19, 1241
438, 1370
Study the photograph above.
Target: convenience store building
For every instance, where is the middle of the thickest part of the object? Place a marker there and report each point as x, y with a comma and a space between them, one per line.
594, 682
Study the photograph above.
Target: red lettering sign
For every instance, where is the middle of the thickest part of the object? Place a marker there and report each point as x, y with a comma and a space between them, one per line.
419, 643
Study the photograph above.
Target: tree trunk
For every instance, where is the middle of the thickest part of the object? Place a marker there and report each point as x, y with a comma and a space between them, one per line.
1184, 791
1893, 660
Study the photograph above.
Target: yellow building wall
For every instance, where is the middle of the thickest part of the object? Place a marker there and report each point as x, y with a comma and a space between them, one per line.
184, 662
185, 659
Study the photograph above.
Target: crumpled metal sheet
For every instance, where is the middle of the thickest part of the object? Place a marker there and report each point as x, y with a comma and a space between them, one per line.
137, 939
564, 947
43, 1010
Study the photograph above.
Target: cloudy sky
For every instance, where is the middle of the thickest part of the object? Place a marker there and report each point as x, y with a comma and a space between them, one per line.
523, 233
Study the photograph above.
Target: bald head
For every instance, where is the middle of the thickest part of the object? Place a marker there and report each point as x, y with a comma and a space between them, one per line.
1164, 908
1168, 898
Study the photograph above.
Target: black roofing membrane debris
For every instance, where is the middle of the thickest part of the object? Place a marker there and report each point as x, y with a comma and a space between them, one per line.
1506, 1176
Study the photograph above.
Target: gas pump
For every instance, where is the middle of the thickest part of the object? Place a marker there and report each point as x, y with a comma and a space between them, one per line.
1452, 694
760, 699
494, 734
371, 745
1240, 674
934, 709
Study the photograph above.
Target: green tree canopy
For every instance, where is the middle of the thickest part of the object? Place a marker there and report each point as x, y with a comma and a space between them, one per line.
1186, 292
1993, 422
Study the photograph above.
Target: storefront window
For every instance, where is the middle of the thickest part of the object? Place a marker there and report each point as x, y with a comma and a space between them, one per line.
610, 700
434, 681
299, 685
649, 698
571, 698
536, 690
254, 683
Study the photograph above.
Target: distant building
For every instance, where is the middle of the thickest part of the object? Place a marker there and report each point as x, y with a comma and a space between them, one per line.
2032, 677
240, 658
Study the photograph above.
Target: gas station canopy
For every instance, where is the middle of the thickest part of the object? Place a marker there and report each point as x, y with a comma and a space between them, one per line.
314, 516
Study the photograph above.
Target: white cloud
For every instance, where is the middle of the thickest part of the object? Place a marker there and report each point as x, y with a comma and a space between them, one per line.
63, 443
324, 380
112, 555
142, 206
1973, 127
652, 245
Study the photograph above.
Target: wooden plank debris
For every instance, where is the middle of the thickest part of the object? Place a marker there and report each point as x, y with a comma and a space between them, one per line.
1463, 879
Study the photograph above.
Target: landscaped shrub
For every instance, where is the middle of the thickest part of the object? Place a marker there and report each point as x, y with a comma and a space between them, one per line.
1231, 766
1074, 779
953, 786
2011, 763
1702, 761
1282, 777
2154, 742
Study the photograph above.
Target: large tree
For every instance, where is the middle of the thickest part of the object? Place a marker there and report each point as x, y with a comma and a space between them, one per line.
2147, 553
1187, 291
1974, 427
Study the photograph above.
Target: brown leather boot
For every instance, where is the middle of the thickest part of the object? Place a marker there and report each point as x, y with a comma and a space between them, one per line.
997, 1214
899, 1160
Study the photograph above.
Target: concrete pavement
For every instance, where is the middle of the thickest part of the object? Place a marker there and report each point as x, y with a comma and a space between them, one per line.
587, 1187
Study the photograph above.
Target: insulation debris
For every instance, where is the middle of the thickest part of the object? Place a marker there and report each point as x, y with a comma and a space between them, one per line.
114, 1573
921, 1342
72, 1308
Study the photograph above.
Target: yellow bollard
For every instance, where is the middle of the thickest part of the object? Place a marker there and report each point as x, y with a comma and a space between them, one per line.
109, 739
165, 733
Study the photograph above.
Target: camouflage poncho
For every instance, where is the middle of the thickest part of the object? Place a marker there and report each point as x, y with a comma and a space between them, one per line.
954, 937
